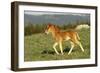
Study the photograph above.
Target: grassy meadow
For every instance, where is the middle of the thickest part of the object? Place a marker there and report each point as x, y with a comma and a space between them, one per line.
38, 47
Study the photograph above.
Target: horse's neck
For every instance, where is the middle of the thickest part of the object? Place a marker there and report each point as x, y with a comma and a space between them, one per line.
55, 32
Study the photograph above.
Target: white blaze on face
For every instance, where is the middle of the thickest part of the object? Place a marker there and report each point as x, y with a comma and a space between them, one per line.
46, 32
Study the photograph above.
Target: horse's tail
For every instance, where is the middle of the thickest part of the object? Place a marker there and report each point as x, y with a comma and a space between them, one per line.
77, 36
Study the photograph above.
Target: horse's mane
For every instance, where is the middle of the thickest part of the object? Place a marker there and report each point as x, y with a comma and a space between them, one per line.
57, 29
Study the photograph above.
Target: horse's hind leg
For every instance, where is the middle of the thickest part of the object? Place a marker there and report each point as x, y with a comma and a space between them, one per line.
54, 46
72, 46
79, 43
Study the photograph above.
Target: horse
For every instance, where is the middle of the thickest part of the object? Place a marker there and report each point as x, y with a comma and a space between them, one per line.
60, 36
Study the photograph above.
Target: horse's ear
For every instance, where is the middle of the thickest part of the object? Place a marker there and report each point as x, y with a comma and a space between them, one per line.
49, 24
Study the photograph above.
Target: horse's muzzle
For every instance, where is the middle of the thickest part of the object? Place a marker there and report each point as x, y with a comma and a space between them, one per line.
46, 32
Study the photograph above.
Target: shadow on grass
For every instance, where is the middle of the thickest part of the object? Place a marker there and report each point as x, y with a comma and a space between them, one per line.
46, 51
67, 49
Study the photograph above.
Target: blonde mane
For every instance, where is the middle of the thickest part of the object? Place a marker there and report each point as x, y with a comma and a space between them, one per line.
57, 29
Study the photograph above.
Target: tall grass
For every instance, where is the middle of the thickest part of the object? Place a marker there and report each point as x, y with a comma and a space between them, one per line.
34, 28
39, 28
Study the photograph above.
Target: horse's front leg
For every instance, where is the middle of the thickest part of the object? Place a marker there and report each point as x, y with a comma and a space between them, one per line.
61, 49
54, 46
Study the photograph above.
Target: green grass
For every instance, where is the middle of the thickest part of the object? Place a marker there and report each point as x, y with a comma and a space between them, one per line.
38, 47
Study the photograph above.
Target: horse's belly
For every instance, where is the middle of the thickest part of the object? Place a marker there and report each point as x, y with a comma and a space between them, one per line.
67, 38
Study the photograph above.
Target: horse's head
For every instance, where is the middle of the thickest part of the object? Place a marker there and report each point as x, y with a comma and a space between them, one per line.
49, 28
